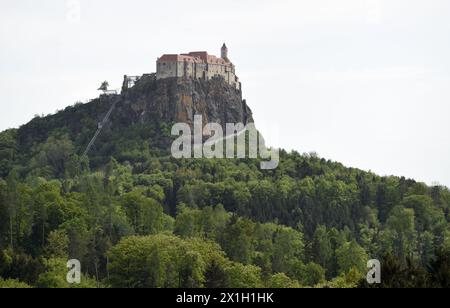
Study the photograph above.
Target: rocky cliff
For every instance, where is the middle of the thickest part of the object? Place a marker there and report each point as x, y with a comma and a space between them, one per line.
174, 100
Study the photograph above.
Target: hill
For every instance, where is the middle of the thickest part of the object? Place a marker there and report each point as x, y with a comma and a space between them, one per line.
136, 217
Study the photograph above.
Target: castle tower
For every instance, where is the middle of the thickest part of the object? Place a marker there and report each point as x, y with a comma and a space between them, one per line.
224, 52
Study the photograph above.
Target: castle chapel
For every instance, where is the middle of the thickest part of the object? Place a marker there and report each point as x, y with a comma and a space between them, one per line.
198, 65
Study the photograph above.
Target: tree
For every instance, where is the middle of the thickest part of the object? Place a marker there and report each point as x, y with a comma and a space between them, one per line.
369, 239
57, 244
213, 221
426, 248
322, 252
54, 156
55, 276
8, 151
401, 223
337, 239
310, 274
187, 223
4, 215
396, 274
17, 209
145, 214
264, 234
237, 240
47, 211
351, 255
13, 284
216, 276
244, 276
288, 249
104, 86
348, 280
12, 204
281, 281
18, 265
387, 196
439, 269
160, 261
427, 215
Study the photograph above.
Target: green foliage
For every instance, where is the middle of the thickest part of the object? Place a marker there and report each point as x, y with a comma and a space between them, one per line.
145, 214
288, 249
161, 261
401, 226
54, 158
57, 245
209, 222
237, 240
216, 275
344, 281
310, 274
55, 276
396, 274
351, 256
281, 281
203, 223
244, 276
13, 284
322, 250
19, 266
8, 150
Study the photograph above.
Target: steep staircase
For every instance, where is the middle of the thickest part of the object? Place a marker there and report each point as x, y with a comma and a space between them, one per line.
101, 125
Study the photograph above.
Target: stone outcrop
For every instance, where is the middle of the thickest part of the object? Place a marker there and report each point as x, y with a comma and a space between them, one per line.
175, 100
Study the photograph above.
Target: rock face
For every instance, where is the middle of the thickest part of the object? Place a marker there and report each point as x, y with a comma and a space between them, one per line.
178, 100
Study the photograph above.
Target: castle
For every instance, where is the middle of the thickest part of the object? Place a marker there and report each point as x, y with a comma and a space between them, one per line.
198, 65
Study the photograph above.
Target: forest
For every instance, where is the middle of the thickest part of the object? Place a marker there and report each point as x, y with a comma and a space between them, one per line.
137, 218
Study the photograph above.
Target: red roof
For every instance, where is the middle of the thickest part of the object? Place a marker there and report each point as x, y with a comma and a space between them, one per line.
195, 57
179, 58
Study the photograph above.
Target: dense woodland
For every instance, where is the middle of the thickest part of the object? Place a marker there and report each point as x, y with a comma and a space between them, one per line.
135, 217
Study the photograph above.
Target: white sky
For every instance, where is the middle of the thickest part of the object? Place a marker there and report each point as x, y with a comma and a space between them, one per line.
363, 82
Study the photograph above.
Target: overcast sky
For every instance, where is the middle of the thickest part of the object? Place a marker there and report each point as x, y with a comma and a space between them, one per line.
363, 82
